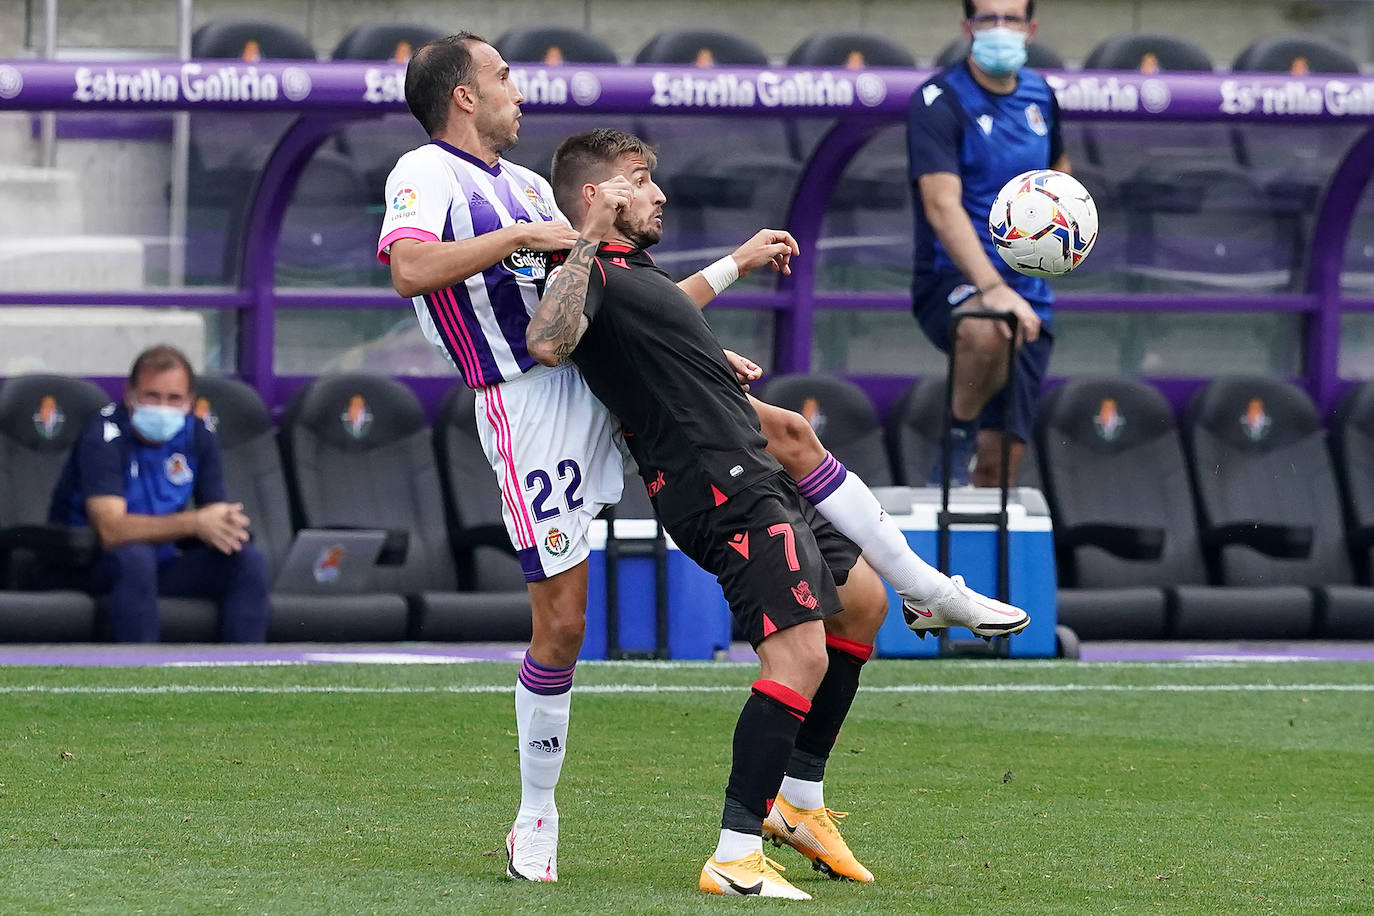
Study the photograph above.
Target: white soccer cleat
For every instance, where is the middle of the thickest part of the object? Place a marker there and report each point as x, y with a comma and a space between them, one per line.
532, 852
755, 875
961, 606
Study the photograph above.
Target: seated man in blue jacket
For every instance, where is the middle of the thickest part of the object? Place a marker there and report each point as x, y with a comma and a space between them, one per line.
147, 476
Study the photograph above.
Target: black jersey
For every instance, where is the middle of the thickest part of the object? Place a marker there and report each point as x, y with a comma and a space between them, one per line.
652, 359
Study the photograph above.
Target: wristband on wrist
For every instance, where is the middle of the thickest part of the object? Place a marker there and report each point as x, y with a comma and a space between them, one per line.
992, 286
721, 274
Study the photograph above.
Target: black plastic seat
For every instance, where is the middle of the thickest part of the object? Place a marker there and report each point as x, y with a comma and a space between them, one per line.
253, 475
854, 50
41, 417
912, 431
373, 145
553, 45
842, 416
1267, 496
1352, 442
227, 150
1125, 525
359, 453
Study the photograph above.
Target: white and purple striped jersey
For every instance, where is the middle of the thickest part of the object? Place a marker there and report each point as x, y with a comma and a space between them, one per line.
440, 193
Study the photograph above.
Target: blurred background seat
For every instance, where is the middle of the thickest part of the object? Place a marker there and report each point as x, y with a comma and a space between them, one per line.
1268, 502
229, 149
359, 453
41, 417
843, 418
253, 475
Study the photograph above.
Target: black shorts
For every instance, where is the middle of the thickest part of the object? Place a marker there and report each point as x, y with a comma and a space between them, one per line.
762, 549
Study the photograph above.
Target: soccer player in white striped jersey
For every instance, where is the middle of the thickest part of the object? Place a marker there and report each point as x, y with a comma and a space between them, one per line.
466, 235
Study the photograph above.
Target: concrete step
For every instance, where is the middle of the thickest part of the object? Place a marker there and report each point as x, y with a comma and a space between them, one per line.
75, 340
39, 202
70, 262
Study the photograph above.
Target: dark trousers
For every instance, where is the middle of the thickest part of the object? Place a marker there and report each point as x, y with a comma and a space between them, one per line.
133, 578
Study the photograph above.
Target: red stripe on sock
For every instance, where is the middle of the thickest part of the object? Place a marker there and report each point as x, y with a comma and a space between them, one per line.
794, 702
860, 650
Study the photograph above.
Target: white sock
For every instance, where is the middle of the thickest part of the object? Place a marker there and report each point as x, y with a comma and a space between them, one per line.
734, 845
541, 721
802, 793
846, 502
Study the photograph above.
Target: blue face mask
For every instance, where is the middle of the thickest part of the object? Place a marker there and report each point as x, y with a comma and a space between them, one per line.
157, 422
999, 51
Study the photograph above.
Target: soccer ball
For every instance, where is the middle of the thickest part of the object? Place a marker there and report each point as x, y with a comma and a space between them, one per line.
1043, 223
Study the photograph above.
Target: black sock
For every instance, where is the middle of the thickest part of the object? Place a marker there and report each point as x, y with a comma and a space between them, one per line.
764, 735
817, 736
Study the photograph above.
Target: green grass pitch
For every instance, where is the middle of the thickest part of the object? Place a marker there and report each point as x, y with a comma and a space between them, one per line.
973, 787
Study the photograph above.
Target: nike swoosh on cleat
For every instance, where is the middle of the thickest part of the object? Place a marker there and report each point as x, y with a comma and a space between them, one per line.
917, 610
996, 610
791, 828
752, 890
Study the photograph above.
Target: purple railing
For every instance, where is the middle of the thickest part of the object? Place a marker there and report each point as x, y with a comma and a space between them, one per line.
861, 102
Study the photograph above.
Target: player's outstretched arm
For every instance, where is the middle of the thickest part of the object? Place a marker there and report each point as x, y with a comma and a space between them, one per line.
774, 247
419, 267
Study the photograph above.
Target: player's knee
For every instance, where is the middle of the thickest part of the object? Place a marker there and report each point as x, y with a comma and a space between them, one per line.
793, 442
865, 606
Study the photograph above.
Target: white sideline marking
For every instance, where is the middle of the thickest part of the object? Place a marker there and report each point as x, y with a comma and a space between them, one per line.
96, 690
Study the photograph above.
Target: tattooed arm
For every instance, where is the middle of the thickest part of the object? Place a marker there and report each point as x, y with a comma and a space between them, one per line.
560, 320
559, 323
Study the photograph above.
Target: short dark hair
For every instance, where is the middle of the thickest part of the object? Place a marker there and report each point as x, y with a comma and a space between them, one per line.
582, 157
969, 11
160, 358
434, 71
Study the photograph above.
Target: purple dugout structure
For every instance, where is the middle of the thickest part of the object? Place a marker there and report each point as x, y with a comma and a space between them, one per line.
860, 102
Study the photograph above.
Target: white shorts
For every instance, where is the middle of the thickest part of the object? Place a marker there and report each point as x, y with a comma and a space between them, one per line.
556, 452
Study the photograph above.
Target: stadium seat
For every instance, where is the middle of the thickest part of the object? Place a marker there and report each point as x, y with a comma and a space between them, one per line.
41, 417
359, 453
702, 48
1039, 55
375, 144
854, 50
1352, 442
843, 418
1267, 497
912, 431
229, 149
1294, 164
553, 45
1126, 538
253, 475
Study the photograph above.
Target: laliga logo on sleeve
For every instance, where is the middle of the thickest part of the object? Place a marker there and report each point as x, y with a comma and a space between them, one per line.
406, 204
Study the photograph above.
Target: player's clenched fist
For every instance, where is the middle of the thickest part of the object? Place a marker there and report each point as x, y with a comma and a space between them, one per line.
608, 199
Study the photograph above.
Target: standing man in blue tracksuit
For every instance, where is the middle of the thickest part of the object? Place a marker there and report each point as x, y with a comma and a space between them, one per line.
970, 129
146, 474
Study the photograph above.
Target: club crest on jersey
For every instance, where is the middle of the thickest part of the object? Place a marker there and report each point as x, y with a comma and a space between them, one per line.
1255, 421
49, 419
1035, 120
556, 542
1109, 420
177, 469
328, 564
206, 414
523, 262
539, 204
356, 418
802, 592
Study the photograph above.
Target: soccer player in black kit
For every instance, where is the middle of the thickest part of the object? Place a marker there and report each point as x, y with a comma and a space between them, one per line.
647, 352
